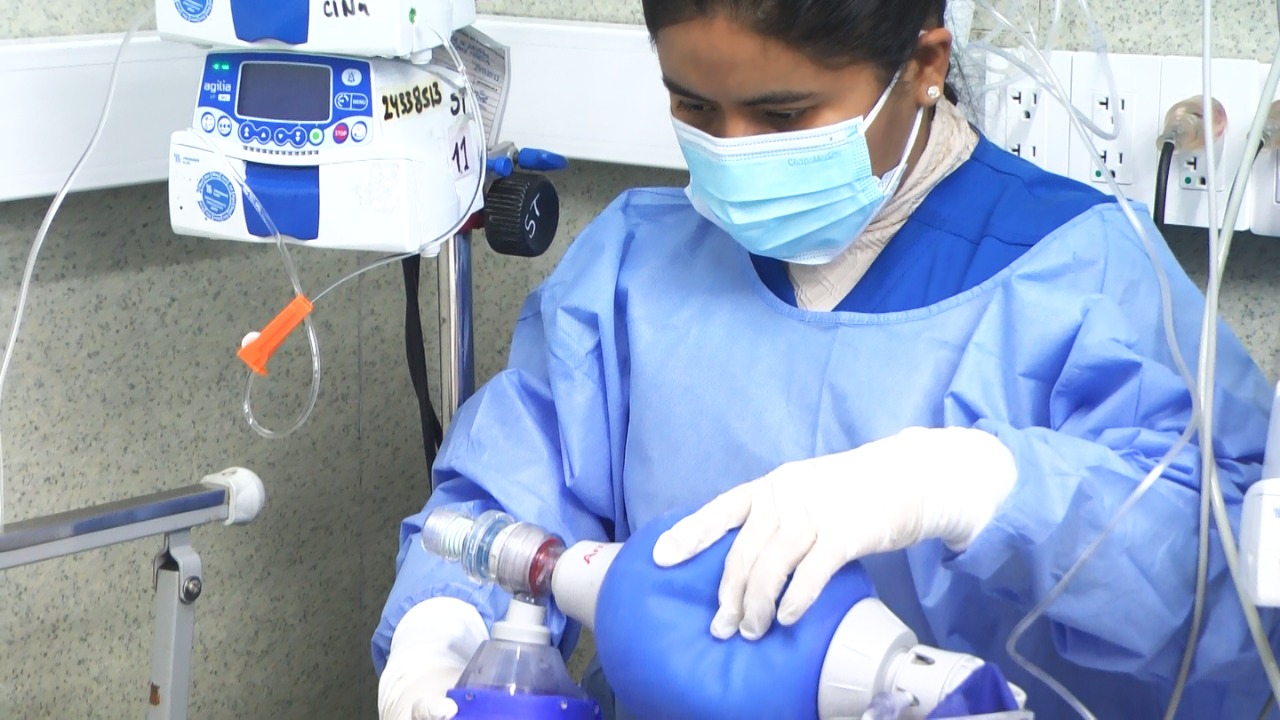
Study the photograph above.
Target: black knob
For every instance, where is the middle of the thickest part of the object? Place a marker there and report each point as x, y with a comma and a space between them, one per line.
521, 214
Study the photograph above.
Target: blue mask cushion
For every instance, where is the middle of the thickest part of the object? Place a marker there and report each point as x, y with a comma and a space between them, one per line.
655, 645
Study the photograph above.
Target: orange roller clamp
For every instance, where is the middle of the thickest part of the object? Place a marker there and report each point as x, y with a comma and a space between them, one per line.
257, 353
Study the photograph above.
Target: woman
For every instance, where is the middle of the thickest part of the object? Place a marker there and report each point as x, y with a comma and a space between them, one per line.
880, 337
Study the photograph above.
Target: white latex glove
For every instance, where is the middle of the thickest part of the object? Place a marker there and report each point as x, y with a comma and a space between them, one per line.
813, 517
430, 648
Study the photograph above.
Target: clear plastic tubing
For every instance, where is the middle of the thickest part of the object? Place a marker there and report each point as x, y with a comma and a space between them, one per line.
493, 548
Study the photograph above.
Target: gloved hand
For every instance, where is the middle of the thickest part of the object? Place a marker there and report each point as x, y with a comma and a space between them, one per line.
814, 516
430, 648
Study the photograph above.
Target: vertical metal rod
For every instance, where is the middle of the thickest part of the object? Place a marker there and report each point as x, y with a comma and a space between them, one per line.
175, 622
457, 348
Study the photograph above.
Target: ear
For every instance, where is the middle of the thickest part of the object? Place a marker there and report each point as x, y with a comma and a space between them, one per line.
929, 65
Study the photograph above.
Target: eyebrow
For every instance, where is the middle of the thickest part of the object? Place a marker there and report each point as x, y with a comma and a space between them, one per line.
777, 97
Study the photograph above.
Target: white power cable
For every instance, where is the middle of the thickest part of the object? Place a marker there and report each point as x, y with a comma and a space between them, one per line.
1207, 365
1202, 393
1027, 40
29, 272
1211, 497
1171, 338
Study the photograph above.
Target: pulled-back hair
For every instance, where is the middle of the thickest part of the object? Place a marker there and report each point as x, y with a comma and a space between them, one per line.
832, 33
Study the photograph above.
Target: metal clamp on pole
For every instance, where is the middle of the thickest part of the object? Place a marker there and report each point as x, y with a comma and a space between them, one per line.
234, 496
520, 219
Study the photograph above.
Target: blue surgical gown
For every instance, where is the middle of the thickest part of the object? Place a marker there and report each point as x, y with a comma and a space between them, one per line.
661, 364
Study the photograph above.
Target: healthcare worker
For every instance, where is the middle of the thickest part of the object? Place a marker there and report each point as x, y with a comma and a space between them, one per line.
862, 331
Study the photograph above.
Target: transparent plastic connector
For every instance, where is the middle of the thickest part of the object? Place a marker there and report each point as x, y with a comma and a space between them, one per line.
1184, 125
494, 548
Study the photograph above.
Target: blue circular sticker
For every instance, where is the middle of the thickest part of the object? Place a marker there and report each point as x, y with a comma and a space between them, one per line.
194, 10
217, 196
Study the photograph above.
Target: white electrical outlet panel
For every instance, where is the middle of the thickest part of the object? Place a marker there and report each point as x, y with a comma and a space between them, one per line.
1260, 542
1023, 117
1131, 109
1264, 184
1235, 86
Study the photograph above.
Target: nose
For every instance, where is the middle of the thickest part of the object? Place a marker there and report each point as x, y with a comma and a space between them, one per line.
736, 125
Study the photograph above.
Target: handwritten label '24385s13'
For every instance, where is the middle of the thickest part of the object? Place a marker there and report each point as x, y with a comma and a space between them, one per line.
419, 100
411, 102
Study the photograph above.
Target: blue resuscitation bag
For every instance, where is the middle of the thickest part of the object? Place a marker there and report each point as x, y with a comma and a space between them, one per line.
655, 647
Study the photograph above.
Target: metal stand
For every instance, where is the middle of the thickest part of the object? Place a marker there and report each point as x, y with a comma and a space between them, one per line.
234, 496
457, 348
177, 585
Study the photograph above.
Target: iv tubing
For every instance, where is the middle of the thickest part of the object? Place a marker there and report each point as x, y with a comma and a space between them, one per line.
1027, 39
1208, 361
1163, 464
1054, 87
1212, 498
49, 215
312, 340
1012, 58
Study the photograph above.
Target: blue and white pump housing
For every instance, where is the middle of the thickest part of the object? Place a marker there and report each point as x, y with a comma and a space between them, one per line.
342, 152
340, 122
358, 28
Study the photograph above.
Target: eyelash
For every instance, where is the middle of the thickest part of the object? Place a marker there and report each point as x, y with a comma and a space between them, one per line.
692, 107
786, 116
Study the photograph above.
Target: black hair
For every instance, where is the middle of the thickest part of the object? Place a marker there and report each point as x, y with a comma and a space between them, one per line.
833, 33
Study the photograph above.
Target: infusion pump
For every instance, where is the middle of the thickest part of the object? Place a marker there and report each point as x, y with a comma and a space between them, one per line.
341, 152
363, 28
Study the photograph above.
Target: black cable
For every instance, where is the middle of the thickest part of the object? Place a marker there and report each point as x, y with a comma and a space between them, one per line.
1162, 184
416, 352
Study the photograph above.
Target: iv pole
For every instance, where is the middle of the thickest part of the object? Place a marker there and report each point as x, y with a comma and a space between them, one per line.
457, 347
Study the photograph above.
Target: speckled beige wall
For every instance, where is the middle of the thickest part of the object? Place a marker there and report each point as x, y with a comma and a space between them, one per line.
1241, 28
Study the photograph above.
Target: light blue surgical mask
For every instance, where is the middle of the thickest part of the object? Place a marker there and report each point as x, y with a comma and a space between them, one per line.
802, 196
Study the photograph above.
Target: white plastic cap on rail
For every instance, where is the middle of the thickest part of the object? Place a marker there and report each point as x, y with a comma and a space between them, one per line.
247, 496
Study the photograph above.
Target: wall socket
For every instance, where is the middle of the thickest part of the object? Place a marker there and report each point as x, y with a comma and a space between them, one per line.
1109, 113
1265, 194
1235, 85
1025, 137
1026, 119
1264, 184
1191, 172
1131, 110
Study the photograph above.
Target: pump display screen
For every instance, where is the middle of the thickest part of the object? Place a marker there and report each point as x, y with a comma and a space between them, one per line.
288, 92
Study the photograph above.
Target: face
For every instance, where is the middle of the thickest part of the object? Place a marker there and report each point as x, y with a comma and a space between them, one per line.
728, 81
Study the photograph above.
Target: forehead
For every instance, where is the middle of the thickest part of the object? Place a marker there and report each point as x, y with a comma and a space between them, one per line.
721, 59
